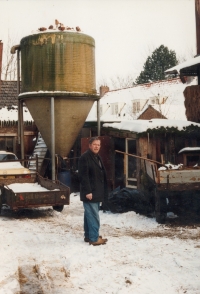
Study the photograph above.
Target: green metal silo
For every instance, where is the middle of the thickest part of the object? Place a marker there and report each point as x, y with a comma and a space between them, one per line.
59, 64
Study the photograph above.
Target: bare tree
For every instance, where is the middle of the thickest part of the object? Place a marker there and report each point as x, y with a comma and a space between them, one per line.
9, 66
187, 55
118, 82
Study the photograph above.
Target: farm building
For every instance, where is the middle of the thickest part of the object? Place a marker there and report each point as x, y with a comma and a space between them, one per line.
9, 121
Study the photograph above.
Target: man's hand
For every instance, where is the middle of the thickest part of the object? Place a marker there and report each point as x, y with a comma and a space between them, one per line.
89, 196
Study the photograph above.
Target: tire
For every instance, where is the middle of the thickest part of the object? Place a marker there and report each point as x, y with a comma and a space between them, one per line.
58, 208
160, 208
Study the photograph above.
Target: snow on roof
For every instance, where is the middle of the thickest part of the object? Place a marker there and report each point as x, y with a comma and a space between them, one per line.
140, 126
189, 149
8, 114
169, 90
188, 63
169, 111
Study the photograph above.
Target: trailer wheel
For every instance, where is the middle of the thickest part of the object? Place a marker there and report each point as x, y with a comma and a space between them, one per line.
58, 207
160, 208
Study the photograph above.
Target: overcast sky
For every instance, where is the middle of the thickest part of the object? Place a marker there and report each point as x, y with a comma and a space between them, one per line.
125, 31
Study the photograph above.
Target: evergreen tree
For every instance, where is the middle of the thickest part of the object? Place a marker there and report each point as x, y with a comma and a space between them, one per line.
153, 70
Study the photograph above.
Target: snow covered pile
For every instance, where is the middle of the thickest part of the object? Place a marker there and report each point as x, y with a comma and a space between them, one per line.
171, 166
27, 187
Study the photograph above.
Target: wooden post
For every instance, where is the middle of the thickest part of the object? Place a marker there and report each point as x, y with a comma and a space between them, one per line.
197, 16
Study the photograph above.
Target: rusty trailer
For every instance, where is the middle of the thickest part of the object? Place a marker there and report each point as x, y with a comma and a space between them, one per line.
55, 194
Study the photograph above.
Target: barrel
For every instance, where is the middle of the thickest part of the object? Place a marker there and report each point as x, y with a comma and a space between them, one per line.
65, 177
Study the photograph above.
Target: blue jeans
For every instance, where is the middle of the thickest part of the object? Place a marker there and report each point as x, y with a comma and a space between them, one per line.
91, 220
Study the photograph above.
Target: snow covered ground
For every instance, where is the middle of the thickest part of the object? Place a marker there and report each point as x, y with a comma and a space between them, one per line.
42, 251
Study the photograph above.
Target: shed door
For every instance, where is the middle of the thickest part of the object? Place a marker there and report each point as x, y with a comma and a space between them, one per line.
130, 163
107, 155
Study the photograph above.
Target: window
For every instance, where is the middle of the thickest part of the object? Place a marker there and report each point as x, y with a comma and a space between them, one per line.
136, 106
114, 108
7, 144
155, 100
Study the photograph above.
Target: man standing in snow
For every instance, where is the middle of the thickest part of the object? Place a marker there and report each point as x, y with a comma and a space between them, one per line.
93, 190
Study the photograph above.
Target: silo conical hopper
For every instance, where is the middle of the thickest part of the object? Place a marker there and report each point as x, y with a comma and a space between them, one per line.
59, 64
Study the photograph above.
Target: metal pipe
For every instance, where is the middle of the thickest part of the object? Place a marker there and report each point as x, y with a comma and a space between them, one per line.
98, 118
12, 51
1, 53
53, 139
21, 128
18, 92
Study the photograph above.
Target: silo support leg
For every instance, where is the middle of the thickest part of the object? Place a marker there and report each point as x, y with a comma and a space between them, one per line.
53, 139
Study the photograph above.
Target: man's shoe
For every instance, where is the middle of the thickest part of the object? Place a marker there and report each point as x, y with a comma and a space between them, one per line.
100, 241
105, 239
88, 240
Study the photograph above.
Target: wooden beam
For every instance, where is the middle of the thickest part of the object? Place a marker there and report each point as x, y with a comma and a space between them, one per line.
197, 16
154, 161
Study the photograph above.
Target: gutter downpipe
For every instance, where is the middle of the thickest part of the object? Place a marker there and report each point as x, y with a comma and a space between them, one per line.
20, 131
98, 118
53, 139
21, 127
1, 53
20, 108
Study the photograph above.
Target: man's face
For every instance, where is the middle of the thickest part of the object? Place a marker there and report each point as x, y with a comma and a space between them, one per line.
95, 146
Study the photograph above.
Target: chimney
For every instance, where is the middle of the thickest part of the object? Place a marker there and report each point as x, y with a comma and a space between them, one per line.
103, 90
1, 53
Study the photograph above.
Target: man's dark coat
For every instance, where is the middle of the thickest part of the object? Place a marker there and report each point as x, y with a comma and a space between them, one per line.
92, 178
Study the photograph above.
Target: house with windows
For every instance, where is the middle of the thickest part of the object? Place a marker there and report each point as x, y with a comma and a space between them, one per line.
165, 97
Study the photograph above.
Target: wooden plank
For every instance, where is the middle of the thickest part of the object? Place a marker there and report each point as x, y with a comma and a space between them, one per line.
179, 187
179, 176
151, 169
